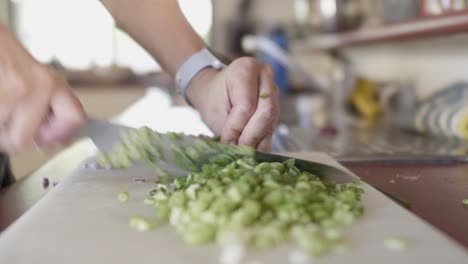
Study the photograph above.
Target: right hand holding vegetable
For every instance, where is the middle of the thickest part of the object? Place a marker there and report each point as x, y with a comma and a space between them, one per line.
37, 106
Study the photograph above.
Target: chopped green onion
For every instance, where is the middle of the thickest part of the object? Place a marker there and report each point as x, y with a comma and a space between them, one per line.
123, 197
142, 224
357, 182
227, 195
396, 243
264, 95
268, 203
174, 136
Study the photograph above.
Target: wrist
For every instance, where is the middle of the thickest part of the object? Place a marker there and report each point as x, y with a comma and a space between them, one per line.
199, 85
202, 61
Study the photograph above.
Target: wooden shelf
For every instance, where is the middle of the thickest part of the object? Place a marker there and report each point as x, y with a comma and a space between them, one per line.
423, 27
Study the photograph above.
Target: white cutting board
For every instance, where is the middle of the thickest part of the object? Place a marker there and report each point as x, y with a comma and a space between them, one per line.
81, 221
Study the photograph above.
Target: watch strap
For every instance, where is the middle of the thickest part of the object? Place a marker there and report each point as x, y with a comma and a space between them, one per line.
194, 65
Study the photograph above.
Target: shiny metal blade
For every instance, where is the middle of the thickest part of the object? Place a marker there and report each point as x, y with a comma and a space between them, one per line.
323, 171
103, 133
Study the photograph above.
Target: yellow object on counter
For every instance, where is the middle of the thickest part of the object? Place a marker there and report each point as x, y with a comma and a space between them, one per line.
364, 98
462, 127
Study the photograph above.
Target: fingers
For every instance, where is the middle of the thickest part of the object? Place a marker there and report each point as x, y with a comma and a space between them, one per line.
67, 115
259, 129
8, 103
27, 118
28, 89
242, 84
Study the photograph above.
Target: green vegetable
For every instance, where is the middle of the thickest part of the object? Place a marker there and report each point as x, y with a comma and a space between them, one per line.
264, 95
260, 204
123, 197
229, 196
396, 243
174, 136
465, 201
145, 145
142, 224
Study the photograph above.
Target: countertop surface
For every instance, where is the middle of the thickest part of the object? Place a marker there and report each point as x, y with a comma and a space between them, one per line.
349, 138
81, 221
435, 189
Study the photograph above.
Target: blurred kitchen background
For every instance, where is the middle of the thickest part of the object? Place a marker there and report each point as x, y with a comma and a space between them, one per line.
359, 79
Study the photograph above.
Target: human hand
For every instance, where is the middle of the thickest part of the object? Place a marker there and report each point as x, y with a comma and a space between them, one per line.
240, 103
36, 104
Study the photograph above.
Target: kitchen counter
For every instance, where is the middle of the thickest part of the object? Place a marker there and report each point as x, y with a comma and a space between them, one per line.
435, 190
349, 138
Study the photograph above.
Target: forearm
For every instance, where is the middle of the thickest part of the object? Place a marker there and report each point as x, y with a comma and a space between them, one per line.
160, 27
233, 109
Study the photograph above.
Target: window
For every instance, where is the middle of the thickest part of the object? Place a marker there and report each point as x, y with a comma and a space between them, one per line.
80, 34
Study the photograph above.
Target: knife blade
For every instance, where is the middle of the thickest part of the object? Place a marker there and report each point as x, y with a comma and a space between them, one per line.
105, 134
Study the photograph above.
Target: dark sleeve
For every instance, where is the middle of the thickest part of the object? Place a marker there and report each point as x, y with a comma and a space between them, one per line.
6, 176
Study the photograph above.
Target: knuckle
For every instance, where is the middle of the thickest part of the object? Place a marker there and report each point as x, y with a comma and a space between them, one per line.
244, 67
246, 111
246, 62
267, 117
251, 140
235, 133
268, 135
269, 113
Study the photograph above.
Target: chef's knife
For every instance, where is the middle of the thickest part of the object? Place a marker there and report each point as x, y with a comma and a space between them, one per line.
105, 134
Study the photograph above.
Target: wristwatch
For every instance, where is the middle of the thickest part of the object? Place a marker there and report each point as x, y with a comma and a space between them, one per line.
192, 66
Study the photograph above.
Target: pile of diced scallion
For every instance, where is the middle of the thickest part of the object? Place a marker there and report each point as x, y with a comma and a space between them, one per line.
232, 198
